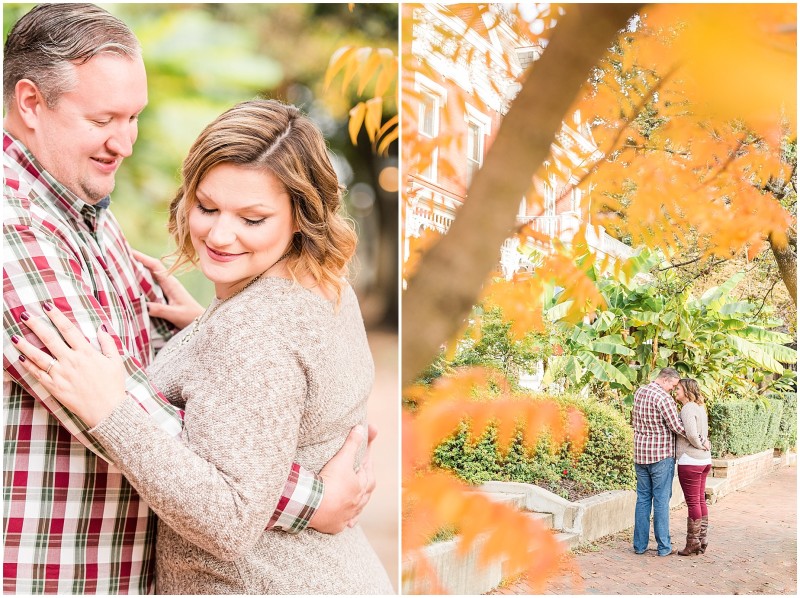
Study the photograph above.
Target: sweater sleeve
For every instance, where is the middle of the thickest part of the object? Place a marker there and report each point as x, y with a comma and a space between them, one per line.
689, 419
242, 424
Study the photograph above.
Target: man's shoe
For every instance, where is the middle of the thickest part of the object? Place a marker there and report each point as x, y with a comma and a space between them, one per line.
670, 553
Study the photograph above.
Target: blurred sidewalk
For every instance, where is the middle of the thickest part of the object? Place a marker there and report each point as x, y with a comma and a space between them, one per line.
381, 516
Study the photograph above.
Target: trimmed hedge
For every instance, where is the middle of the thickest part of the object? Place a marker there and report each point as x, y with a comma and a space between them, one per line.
744, 426
606, 462
787, 430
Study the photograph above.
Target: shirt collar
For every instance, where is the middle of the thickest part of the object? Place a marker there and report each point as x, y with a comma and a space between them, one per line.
22, 159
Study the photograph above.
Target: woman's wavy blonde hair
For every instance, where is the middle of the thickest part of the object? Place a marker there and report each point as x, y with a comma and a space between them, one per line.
692, 390
266, 134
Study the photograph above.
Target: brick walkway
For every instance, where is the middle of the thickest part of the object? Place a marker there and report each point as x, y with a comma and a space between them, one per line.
752, 550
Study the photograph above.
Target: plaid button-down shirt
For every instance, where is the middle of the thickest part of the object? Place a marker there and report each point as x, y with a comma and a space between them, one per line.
72, 522
655, 423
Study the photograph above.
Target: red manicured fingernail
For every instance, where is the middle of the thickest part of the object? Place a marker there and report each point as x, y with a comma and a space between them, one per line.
47, 306
14, 339
22, 358
25, 316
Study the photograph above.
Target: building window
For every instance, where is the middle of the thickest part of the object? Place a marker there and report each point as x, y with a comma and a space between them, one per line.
429, 127
475, 137
479, 129
576, 199
432, 98
429, 114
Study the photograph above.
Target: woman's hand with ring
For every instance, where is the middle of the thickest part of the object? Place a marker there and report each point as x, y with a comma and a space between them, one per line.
88, 382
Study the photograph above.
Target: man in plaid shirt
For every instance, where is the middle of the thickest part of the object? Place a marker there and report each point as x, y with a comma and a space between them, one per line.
74, 84
655, 424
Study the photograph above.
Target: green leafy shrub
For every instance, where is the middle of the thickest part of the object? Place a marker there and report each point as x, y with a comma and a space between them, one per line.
744, 426
474, 463
787, 429
606, 462
607, 458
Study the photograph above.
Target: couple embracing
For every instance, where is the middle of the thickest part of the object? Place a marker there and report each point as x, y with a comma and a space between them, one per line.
660, 435
220, 443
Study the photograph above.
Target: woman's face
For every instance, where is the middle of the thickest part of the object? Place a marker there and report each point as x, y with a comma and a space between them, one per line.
680, 395
240, 226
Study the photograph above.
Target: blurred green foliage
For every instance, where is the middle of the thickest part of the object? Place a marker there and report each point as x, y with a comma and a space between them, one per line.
202, 59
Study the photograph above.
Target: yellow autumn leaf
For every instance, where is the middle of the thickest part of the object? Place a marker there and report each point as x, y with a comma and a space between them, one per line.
357, 114
388, 73
368, 70
337, 62
388, 133
372, 118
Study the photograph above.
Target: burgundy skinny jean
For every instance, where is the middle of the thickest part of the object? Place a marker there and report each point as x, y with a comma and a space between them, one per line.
693, 484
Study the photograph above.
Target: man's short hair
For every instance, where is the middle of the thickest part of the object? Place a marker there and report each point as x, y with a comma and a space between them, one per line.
51, 39
668, 374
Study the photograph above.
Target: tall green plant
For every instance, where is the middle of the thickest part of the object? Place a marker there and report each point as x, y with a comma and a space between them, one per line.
488, 342
715, 339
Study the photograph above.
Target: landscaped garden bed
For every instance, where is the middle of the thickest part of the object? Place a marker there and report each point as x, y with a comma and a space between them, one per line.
605, 463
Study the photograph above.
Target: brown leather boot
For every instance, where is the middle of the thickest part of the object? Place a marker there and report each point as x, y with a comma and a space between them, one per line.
703, 534
692, 537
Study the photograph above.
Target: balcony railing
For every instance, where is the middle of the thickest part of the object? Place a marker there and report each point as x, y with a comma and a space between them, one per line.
564, 227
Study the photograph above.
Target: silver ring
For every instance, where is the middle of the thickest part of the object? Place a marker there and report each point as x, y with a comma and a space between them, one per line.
52, 363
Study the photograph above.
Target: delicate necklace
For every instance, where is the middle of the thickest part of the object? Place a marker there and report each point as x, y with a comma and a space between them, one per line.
210, 311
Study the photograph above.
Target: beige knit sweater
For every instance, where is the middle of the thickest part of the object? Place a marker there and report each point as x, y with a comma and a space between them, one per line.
273, 375
695, 423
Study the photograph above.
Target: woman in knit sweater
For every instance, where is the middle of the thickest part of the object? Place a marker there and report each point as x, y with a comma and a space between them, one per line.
694, 464
276, 370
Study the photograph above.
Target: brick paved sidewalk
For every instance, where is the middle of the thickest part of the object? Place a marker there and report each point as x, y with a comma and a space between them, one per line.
752, 550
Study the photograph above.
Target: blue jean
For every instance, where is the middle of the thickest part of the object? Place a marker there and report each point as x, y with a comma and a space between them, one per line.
653, 492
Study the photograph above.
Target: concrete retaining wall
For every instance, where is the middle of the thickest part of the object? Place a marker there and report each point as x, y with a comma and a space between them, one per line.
539, 500
456, 574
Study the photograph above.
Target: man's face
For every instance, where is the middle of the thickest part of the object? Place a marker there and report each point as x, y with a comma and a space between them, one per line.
671, 384
84, 138
668, 384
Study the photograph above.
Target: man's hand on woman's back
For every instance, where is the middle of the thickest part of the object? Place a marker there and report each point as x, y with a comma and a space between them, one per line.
347, 490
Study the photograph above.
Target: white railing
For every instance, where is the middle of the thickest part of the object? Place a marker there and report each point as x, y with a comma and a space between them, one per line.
604, 243
559, 226
431, 207
564, 226
430, 218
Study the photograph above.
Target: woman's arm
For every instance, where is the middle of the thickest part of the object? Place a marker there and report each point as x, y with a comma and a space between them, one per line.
63, 281
207, 496
689, 419
242, 423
